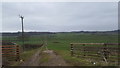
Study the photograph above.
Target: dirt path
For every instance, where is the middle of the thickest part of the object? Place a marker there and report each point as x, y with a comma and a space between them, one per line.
53, 59
33, 61
46, 58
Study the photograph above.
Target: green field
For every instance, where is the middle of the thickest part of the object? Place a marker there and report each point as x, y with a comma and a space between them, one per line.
60, 43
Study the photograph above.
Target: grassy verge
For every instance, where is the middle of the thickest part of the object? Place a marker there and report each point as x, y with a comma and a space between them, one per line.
25, 56
73, 60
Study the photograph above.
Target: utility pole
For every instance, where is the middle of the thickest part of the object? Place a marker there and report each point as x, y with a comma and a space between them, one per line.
22, 31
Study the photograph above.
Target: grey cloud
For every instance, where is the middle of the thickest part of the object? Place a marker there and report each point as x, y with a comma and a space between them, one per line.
66, 16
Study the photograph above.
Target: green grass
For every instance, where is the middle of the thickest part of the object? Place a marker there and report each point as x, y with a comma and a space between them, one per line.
60, 43
64, 40
25, 56
44, 58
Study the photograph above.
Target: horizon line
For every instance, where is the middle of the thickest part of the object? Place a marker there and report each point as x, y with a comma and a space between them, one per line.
59, 31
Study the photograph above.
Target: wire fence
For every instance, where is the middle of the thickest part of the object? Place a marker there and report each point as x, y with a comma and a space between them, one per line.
109, 52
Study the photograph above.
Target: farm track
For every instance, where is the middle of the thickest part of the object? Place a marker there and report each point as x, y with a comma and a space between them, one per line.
54, 59
34, 60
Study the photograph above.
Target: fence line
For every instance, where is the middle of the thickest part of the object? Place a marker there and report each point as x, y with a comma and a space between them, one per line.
11, 51
95, 43
104, 50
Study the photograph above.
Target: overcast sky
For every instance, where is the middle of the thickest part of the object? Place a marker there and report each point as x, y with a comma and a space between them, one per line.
60, 16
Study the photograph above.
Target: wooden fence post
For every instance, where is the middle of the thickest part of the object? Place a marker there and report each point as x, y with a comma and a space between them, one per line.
84, 49
105, 52
71, 50
17, 53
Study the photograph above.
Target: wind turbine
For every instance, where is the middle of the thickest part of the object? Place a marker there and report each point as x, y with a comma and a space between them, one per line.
22, 31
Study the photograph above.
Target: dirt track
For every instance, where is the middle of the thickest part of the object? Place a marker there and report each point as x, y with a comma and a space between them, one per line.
53, 60
33, 61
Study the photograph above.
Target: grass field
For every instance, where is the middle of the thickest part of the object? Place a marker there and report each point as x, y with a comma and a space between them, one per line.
60, 43
68, 38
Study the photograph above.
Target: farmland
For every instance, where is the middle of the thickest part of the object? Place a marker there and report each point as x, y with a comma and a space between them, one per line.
60, 43
67, 38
